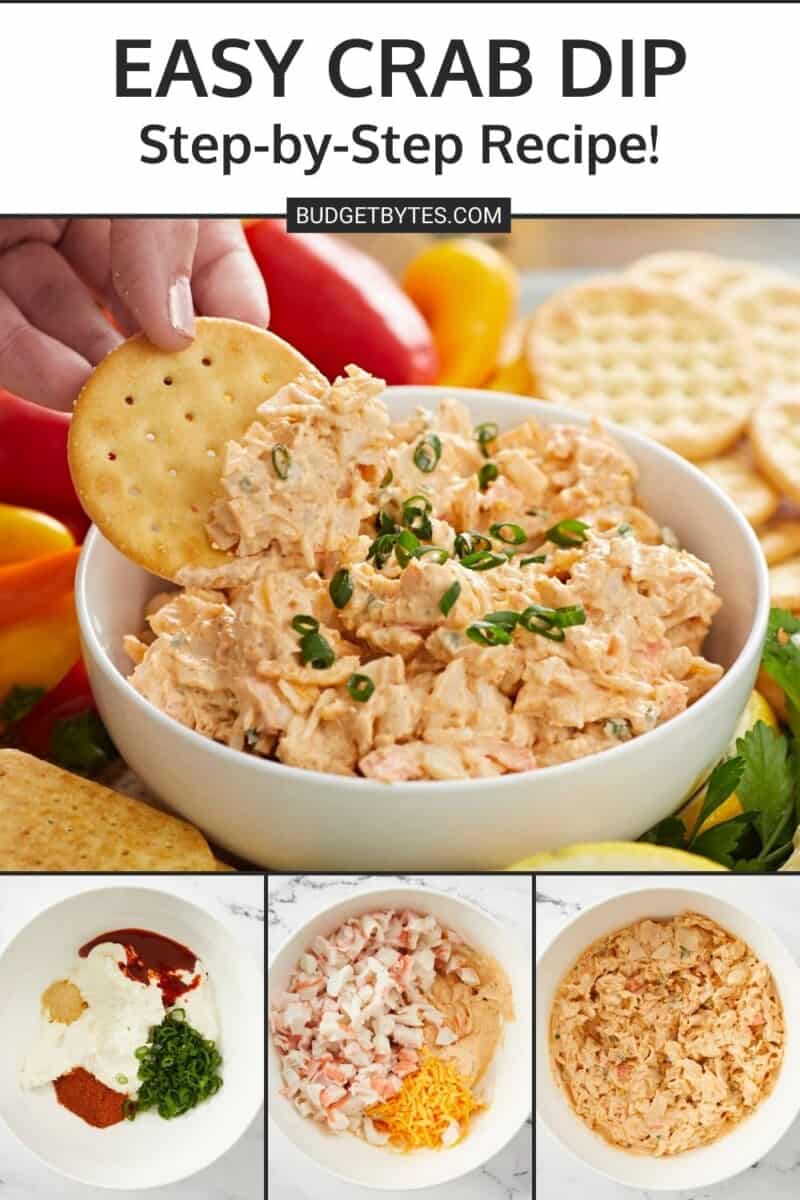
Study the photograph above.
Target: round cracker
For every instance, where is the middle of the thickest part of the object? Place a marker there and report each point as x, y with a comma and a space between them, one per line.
736, 474
706, 277
148, 435
775, 437
780, 539
649, 358
784, 584
770, 310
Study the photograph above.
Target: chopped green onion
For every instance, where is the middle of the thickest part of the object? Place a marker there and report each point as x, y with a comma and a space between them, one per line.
427, 453
387, 479
281, 460
360, 687
624, 529
316, 652
416, 516
440, 555
406, 545
567, 533
484, 633
484, 434
381, 549
121, 1078
178, 1068
384, 523
551, 622
470, 541
539, 558
303, 623
487, 474
483, 560
512, 535
340, 588
504, 617
448, 598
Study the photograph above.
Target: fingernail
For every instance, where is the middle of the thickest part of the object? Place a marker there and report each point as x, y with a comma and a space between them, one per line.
181, 309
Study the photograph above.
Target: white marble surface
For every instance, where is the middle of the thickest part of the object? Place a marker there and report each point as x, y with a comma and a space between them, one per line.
292, 900
235, 900
774, 900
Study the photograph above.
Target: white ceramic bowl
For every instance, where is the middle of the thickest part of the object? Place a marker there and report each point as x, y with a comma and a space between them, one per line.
747, 1142
149, 1152
292, 819
508, 1080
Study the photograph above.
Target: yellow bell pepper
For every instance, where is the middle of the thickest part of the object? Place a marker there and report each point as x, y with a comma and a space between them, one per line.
39, 650
511, 372
25, 533
467, 293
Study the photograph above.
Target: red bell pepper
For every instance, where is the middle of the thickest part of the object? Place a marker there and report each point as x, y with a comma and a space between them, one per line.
64, 726
33, 461
337, 306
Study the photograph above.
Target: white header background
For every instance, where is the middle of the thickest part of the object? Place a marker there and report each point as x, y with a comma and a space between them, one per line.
726, 121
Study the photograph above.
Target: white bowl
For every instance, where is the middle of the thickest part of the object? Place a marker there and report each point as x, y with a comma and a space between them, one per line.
508, 1080
747, 1142
150, 1151
293, 819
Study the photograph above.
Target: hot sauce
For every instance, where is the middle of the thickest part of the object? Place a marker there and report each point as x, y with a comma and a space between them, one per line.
152, 956
90, 1099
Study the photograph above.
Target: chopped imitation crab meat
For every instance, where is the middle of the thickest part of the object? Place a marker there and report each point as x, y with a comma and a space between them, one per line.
381, 992
322, 483
666, 1034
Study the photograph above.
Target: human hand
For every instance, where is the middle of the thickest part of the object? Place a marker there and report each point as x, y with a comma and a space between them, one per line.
152, 274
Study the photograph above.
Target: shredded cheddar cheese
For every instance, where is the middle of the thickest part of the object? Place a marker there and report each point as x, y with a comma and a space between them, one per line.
429, 1101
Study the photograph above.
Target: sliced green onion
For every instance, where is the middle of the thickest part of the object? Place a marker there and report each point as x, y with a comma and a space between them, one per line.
487, 474
340, 588
523, 562
427, 453
384, 523
387, 479
484, 633
178, 1068
416, 516
512, 535
551, 622
448, 598
303, 623
470, 541
381, 549
121, 1078
484, 434
360, 687
440, 555
483, 560
567, 533
316, 652
281, 460
504, 617
405, 546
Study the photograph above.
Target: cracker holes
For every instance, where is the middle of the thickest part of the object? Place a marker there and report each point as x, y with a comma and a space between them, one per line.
150, 437
129, 400
172, 473
133, 490
188, 416
167, 381
112, 457
206, 361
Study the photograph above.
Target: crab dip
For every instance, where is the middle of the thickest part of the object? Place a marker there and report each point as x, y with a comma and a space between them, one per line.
426, 599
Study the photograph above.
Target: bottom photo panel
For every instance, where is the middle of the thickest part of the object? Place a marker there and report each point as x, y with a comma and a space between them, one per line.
666, 1053
132, 1036
400, 1036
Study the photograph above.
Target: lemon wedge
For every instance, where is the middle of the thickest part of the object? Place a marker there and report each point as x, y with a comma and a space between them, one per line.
616, 856
756, 709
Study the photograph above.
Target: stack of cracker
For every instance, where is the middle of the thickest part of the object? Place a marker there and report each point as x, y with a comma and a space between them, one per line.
703, 354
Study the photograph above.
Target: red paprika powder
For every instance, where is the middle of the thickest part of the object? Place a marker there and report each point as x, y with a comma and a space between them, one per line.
90, 1099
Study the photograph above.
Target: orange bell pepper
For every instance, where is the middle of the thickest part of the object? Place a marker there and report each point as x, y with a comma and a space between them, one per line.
37, 651
26, 533
34, 584
467, 292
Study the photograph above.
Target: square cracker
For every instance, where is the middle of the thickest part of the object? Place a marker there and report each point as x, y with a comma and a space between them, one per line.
51, 820
148, 436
